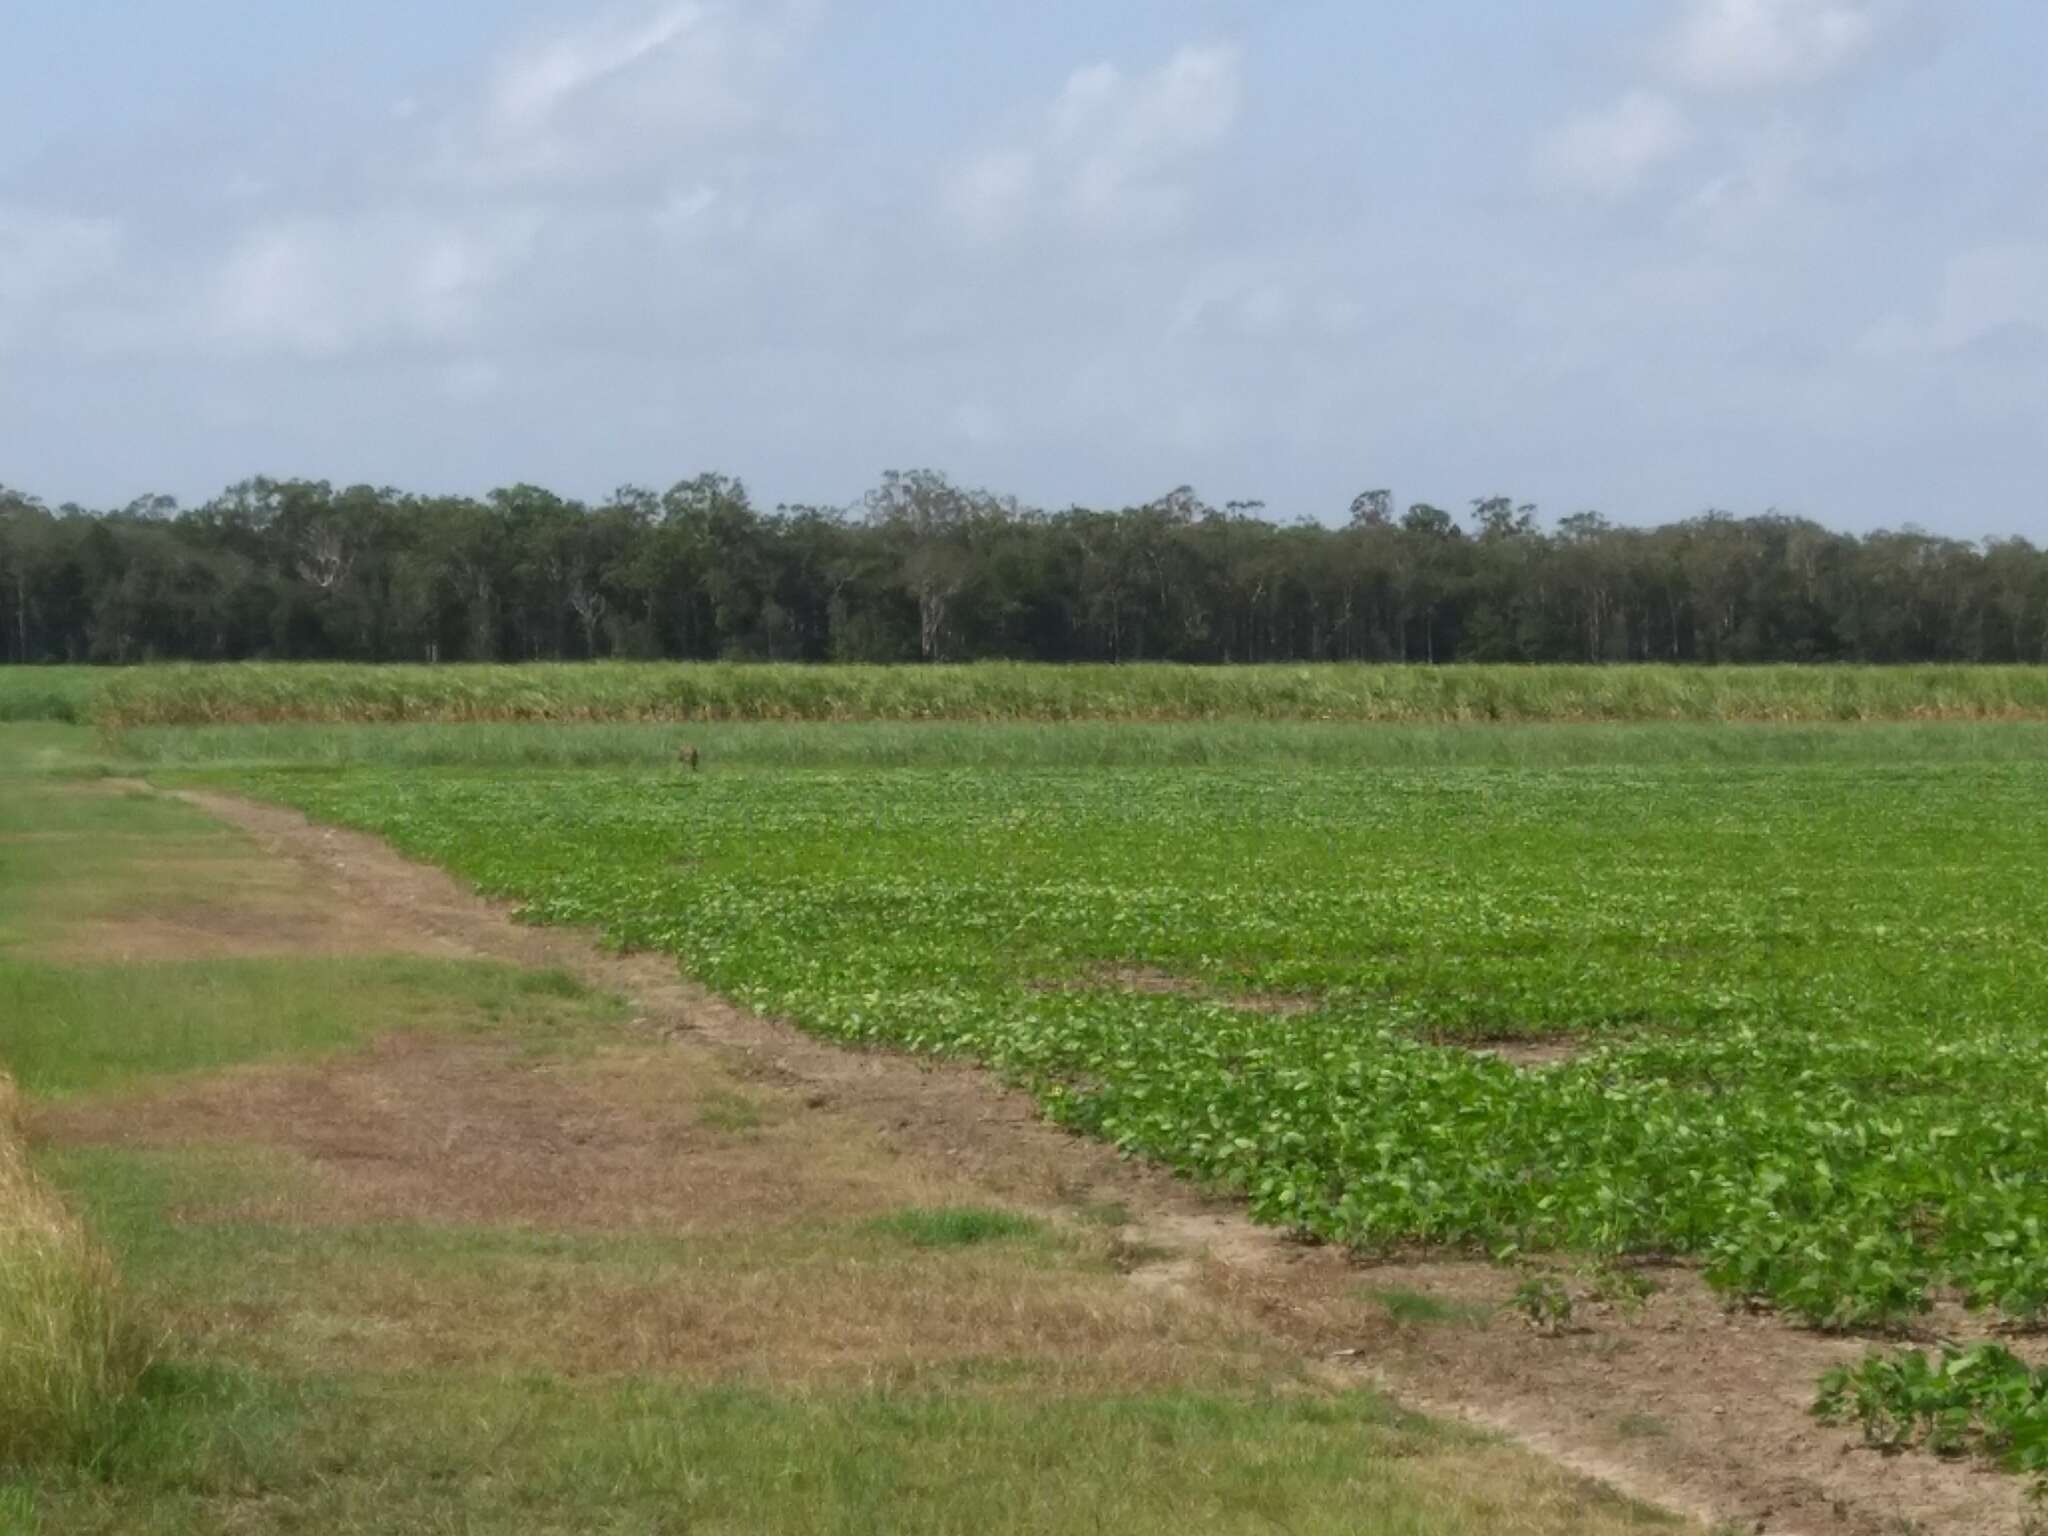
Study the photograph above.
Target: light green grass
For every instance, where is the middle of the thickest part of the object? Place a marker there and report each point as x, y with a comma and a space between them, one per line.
539, 1454
39, 808
956, 1226
618, 691
1406, 1306
726, 748
62, 694
75, 1029
51, 750
71, 849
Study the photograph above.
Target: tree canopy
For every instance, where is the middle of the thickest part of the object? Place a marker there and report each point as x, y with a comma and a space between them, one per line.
921, 568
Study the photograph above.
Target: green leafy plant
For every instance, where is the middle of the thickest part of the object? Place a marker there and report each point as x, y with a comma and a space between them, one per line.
1624, 1288
1981, 1401
1544, 1303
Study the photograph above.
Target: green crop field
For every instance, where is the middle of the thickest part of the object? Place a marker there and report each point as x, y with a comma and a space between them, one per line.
1793, 995
1737, 970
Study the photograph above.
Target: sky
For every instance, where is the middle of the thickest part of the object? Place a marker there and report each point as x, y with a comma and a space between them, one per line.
1645, 257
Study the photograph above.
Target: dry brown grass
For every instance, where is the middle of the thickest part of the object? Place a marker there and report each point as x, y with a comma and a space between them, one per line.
424, 1128
454, 1204
825, 1309
212, 901
68, 1350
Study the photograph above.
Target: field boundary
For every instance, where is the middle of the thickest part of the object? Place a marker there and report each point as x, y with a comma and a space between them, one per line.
684, 692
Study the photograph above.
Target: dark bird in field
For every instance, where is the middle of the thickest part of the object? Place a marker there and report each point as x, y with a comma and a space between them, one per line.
687, 756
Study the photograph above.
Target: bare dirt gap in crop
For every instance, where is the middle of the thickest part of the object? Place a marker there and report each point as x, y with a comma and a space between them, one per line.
1151, 981
1684, 1403
1531, 1054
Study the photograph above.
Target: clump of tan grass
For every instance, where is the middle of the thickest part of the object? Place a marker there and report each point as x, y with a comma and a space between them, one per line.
257, 693
69, 1349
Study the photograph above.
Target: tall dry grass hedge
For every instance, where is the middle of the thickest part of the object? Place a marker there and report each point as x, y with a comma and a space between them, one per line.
269, 692
69, 1349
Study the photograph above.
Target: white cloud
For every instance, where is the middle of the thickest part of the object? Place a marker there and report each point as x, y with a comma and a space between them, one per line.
1758, 193
1130, 133
1750, 45
1993, 298
535, 80
991, 193
1090, 90
685, 207
1114, 153
620, 95
1608, 153
1719, 49
641, 122
323, 287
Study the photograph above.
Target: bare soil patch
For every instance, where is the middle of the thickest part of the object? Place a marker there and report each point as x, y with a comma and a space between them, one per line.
1712, 1402
1531, 1054
1526, 1051
1683, 1403
1150, 981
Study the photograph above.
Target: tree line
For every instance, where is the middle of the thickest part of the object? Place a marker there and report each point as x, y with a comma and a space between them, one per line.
924, 569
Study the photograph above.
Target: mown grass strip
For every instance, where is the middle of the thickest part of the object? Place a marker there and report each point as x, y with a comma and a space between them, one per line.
75, 1029
533, 1452
1080, 746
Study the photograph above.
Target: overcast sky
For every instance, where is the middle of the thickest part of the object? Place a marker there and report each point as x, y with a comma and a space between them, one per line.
1644, 256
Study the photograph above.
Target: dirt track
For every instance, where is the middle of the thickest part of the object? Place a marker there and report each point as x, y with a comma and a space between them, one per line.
1683, 1404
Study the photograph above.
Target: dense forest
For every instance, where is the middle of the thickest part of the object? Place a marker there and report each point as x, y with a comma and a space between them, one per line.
922, 568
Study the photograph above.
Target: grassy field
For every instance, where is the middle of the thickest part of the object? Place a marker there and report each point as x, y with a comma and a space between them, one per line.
61, 694
624, 692
346, 1234
1788, 997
